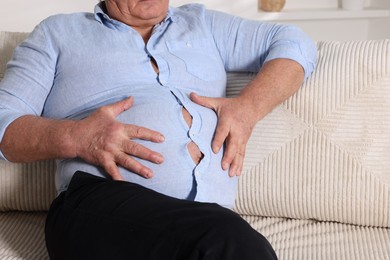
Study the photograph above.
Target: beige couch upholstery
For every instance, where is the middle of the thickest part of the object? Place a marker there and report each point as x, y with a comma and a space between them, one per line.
317, 169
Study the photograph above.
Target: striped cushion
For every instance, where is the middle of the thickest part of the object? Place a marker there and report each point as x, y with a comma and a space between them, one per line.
325, 153
26, 187
309, 239
22, 236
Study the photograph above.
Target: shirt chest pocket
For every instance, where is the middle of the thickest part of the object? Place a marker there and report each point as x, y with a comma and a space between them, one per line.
199, 58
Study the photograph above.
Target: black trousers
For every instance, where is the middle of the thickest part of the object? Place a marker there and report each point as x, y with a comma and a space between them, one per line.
97, 218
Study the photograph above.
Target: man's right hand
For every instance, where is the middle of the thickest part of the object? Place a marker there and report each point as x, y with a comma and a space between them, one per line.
103, 141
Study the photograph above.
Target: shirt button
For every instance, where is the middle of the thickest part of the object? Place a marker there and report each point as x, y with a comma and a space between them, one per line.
188, 44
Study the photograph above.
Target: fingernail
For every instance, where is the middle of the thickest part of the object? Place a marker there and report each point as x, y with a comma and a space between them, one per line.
216, 149
128, 105
235, 173
147, 173
225, 166
161, 138
158, 158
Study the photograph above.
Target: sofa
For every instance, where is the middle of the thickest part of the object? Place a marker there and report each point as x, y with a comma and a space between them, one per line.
316, 178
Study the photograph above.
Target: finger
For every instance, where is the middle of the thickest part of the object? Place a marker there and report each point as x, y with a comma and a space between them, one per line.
208, 102
112, 169
140, 151
133, 165
237, 164
144, 133
221, 133
120, 106
229, 154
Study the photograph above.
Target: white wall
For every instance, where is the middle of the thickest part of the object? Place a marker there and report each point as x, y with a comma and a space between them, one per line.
23, 15
331, 29
380, 28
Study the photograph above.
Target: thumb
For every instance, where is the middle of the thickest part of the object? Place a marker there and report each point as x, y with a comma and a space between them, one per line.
208, 102
120, 106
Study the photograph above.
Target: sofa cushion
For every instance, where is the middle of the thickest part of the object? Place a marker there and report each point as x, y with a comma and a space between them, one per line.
26, 186
310, 239
325, 153
22, 236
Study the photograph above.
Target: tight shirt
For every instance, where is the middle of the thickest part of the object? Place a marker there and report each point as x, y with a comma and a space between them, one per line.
71, 64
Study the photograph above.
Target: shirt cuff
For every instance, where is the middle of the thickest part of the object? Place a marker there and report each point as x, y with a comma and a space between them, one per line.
308, 64
7, 119
2, 157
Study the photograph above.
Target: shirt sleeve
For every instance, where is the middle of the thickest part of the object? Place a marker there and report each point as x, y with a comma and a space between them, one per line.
28, 79
245, 45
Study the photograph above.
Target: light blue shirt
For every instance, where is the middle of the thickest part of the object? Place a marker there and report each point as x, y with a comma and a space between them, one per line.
72, 64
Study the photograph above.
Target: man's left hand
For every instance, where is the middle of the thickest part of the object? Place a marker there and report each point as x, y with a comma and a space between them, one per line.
235, 125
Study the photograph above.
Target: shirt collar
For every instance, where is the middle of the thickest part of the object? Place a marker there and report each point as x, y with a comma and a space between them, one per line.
102, 17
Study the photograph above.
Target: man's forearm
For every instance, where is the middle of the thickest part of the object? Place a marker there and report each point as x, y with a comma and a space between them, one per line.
276, 81
32, 138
